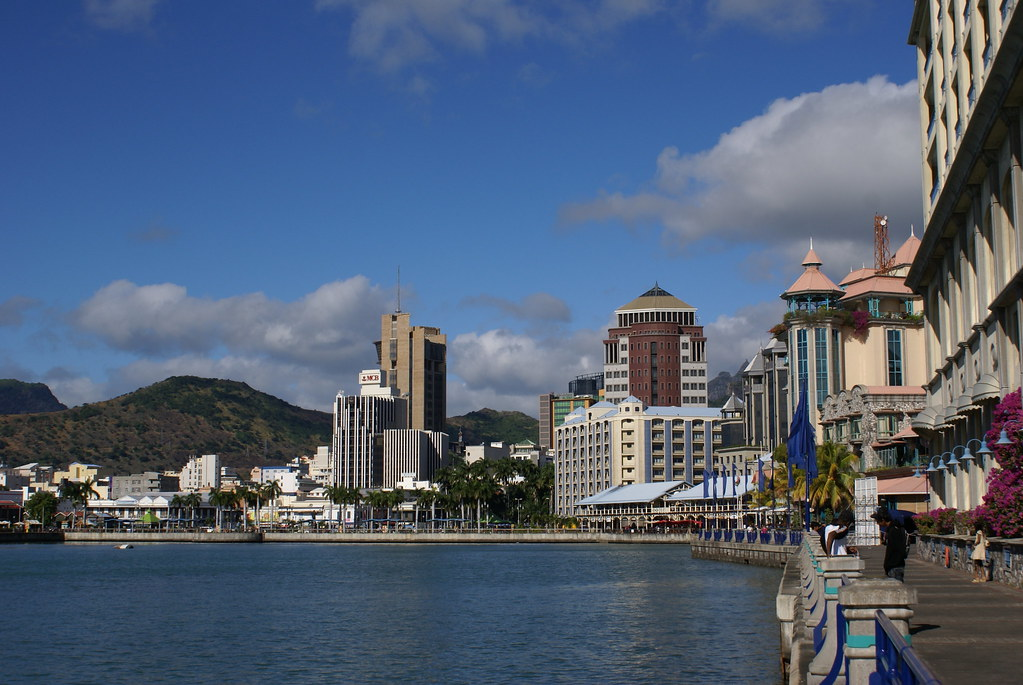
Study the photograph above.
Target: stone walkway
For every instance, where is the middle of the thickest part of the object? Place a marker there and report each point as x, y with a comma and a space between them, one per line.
965, 632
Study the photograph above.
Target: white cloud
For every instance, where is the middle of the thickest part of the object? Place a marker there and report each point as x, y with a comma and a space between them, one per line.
12, 310
296, 350
775, 16
536, 307
820, 164
121, 15
507, 370
735, 338
393, 34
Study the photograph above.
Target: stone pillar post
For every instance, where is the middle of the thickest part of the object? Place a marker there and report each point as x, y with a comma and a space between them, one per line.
859, 602
833, 569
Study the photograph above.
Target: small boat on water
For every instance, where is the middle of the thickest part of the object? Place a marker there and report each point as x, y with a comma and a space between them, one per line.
126, 545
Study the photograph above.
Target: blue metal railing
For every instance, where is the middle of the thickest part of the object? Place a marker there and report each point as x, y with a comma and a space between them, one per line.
773, 537
897, 663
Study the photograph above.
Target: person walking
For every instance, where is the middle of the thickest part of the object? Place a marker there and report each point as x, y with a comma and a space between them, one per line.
896, 546
979, 555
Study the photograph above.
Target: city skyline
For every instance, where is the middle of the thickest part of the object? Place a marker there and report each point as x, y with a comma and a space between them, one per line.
229, 191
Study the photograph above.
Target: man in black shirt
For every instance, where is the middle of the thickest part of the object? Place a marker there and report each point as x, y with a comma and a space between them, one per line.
896, 547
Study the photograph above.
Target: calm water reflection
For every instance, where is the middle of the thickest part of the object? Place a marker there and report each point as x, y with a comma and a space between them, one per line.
289, 613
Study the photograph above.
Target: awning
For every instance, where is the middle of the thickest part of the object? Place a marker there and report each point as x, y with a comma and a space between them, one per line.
903, 485
925, 419
987, 388
906, 433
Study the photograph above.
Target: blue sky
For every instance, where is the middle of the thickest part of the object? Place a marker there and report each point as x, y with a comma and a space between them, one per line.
228, 189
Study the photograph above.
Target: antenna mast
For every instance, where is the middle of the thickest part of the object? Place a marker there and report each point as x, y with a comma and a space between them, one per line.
882, 251
398, 309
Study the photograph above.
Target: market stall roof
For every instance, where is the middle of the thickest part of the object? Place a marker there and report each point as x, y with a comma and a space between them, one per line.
634, 493
723, 486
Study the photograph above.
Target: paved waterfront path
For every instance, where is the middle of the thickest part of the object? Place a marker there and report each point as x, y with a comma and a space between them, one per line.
966, 632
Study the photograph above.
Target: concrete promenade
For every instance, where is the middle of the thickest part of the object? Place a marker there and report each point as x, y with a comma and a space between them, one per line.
965, 632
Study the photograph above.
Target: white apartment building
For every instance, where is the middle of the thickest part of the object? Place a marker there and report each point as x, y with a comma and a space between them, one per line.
411, 454
200, 472
606, 445
359, 424
968, 266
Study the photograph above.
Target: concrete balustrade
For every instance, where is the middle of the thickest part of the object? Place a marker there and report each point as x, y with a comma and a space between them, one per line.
830, 596
860, 601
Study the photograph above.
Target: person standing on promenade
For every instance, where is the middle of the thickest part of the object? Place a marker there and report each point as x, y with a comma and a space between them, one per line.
979, 555
896, 546
835, 535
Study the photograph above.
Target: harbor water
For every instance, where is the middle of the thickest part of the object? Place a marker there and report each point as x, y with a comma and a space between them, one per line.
334, 613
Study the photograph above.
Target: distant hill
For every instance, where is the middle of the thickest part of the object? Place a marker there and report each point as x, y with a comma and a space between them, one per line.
159, 426
488, 425
18, 397
722, 386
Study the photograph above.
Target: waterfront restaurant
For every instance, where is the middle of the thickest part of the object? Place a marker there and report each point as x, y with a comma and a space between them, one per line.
627, 507
722, 502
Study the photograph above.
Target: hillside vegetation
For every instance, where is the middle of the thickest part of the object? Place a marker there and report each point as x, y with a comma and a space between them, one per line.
159, 426
488, 425
18, 397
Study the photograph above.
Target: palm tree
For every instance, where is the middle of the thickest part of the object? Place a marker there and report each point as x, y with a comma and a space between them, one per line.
270, 492
376, 499
193, 501
833, 488
220, 499
78, 493
248, 496
427, 498
394, 499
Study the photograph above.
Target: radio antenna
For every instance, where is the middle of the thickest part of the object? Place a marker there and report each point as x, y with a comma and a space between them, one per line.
398, 309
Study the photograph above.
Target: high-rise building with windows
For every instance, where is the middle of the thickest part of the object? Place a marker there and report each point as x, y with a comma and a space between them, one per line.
656, 353
968, 267
359, 425
413, 361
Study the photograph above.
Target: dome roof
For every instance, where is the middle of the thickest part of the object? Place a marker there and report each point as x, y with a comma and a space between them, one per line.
656, 298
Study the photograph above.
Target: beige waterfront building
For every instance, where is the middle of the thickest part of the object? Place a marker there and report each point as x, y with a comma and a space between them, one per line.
967, 269
856, 347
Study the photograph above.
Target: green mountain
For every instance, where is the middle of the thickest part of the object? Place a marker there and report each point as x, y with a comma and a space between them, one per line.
18, 397
159, 426
488, 425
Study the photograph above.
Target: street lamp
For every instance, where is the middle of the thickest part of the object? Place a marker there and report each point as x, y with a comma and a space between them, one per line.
982, 452
941, 465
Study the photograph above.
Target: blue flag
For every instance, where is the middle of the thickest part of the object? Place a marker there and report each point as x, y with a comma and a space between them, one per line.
735, 491
706, 484
802, 442
761, 485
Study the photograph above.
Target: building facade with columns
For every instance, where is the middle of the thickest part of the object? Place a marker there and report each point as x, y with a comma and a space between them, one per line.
968, 267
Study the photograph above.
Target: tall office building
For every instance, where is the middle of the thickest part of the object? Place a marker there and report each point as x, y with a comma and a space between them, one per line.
656, 353
359, 425
413, 361
553, 410
968, 266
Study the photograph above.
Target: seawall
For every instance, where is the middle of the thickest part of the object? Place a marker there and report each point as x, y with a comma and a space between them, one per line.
419, 538
752, 554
